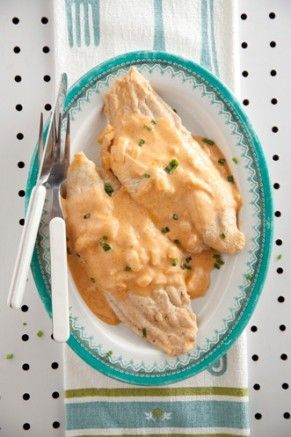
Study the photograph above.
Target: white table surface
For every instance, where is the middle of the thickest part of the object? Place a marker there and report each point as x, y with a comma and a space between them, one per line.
269, 330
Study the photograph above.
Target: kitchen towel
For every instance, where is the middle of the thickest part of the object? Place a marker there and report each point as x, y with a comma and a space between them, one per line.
215, 402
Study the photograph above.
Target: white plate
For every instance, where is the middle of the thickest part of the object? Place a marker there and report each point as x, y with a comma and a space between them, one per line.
207, 108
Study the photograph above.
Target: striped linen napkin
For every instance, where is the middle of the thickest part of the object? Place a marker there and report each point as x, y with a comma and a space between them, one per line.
215, 402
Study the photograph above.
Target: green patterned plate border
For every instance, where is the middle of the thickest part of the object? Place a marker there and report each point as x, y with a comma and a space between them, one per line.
74, 93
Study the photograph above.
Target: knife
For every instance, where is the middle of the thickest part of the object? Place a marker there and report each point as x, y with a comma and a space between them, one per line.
34, 209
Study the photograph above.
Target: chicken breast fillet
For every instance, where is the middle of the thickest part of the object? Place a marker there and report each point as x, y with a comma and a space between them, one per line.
127, 258
166, 171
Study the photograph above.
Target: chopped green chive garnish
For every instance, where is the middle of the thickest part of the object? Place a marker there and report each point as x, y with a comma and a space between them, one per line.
218, 261
127, 269
174, 262
106, 247
144, 332
9, 356
208, 141
165, 230
177, 242
108, 189
153, 122
146, 175
40, 334
173, 164
188, 259
175, 216
109, 353
222, 236
93, 280
141, 142
278, 257
87, 215
230, 178
147, 127
221, 161
185, 266
248, 276
235, 160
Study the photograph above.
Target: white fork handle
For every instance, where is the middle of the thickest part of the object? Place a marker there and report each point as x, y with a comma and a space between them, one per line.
26, 246
59, 280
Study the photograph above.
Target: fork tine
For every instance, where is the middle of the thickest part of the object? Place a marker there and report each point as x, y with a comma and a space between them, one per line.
67, 145
40, 143
58, 143
53, 137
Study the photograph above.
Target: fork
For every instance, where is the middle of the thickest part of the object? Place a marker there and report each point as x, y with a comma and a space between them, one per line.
57, 230
94, 5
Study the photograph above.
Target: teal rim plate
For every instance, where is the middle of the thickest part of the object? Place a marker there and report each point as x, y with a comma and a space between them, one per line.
207, 108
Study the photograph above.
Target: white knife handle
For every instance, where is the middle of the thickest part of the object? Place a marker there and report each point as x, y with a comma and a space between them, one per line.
26, 246
59, 280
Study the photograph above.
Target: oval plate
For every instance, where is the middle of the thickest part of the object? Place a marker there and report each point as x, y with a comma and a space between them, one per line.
207, 108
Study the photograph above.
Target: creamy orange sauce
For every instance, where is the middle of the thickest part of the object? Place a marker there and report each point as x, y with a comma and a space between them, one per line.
92, 295
140, 257
135, 243
218, 159
135, 142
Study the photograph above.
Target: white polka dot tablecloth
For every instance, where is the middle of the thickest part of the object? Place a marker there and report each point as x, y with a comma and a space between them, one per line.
31, 373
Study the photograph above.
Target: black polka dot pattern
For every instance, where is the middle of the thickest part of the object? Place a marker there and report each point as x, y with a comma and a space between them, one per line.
56, 424
275, 130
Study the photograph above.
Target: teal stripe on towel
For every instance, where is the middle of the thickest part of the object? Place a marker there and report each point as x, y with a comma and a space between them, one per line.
79, 31
199, 414
213, 46
159, 35
208, 57
205, 57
